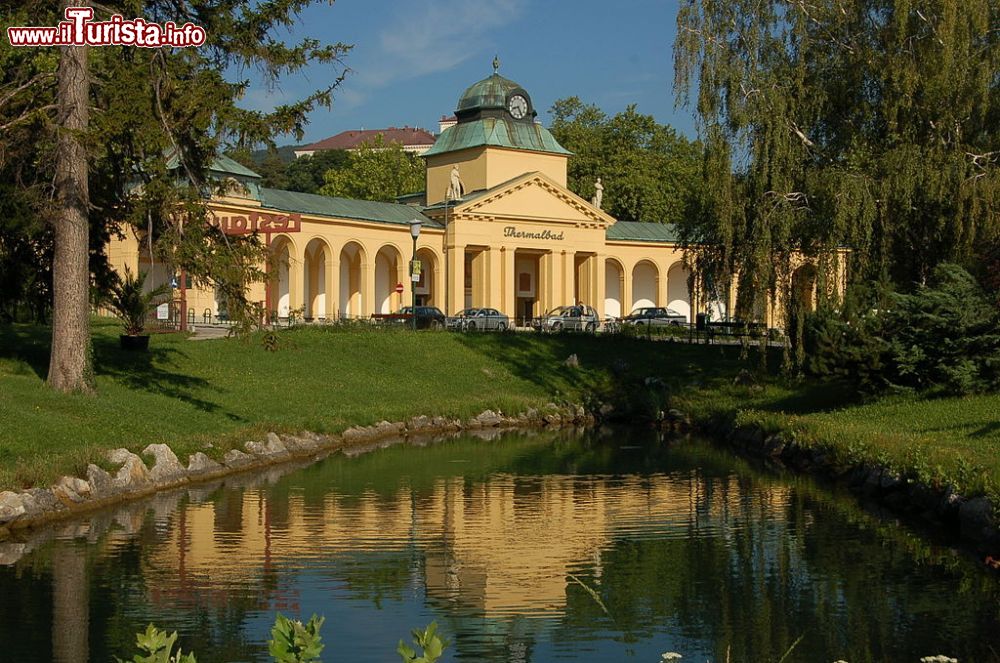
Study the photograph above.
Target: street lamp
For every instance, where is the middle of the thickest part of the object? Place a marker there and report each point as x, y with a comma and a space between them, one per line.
414, 276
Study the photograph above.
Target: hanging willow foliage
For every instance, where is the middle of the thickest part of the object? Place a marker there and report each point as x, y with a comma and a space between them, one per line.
867, 124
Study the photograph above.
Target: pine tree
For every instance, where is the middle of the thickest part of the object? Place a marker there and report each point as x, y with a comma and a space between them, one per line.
155, 108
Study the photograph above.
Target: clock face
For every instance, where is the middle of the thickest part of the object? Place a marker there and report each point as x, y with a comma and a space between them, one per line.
518, 107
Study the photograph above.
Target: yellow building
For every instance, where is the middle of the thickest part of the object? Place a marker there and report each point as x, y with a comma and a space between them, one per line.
499, 229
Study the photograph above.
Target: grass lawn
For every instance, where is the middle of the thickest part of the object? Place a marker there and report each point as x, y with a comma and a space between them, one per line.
942, 440
224, 392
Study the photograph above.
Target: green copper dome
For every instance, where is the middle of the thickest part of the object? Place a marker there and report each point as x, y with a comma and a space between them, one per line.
490, 92
484, 119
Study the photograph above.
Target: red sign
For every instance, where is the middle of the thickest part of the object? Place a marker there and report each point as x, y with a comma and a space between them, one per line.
399, 288
257, 222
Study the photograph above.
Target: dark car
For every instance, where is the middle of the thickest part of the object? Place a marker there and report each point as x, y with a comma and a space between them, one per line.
655, 316
428, 317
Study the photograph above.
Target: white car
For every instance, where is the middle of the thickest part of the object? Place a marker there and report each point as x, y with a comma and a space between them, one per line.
569, 318
655, 316
479, 319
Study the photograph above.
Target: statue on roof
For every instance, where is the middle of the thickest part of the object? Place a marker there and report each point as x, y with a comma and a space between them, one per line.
496, 64
598, 194
455, 188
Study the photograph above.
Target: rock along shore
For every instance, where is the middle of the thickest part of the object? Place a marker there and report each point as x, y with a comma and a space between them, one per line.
134, 478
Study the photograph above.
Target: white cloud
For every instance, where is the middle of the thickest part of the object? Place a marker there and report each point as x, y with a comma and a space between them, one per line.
426, 38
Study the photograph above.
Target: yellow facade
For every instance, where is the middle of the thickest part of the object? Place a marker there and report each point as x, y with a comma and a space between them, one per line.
516, 239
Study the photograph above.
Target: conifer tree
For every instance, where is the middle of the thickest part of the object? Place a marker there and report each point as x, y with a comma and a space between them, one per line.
156, 119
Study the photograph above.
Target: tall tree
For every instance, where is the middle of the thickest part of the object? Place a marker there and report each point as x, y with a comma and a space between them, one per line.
866, 123
649, 171
70, 361
376, 171
280, 169
308, 173
163, 113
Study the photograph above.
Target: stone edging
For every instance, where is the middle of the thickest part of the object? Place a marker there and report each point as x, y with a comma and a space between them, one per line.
71, 496
972, 518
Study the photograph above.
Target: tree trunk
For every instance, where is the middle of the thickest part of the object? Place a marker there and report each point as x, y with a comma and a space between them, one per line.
70, 604
70, 363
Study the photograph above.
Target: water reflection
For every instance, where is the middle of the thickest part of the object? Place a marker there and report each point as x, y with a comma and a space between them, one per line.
524, 548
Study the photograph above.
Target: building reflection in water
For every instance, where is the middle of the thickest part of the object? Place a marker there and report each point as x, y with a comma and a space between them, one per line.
501, 547
704, 554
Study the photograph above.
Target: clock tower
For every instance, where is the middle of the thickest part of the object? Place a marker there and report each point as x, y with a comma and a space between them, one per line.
496, 139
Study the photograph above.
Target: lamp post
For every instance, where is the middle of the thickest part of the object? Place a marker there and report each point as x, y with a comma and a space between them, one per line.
447, 292
414, 277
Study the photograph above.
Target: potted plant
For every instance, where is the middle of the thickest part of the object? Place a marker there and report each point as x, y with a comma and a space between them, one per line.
131, 305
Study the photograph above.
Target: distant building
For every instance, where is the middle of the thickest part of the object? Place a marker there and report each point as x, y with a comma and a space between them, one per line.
446, 121
412, 139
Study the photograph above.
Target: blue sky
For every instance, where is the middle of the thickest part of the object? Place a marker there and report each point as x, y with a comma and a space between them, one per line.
412, 59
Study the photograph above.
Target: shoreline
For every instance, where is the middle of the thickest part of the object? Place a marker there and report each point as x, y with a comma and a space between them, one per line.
970, 521
134, 479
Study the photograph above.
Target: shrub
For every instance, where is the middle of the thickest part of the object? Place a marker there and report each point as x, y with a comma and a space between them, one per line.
945, 335
130, 303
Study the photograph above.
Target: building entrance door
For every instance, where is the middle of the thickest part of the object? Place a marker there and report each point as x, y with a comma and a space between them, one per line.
525, 310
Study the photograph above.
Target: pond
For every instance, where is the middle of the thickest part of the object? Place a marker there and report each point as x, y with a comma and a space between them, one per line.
584, 546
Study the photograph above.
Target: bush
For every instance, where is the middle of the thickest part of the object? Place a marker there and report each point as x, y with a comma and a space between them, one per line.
131, 302
945, 335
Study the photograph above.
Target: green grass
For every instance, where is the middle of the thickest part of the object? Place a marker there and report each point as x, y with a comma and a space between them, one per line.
189, 393
224, 392
940, 440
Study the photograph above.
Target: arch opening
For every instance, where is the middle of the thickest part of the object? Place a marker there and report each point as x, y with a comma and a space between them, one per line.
678, 289
614, 287
645, 276
388, 272
317, 257
281, 286
351, 281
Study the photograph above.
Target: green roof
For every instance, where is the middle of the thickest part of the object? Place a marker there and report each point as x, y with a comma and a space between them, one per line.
488, 93
223, 164
496, 132
343, 208
636, 231
220, 164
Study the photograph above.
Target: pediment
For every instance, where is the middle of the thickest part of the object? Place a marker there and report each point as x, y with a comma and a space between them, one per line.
534, 197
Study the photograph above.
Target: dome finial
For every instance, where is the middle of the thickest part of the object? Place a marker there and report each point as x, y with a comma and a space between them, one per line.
496, 64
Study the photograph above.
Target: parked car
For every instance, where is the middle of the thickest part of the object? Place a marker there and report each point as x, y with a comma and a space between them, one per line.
569, 318
428, 317
457, 322
486, 319
655, 317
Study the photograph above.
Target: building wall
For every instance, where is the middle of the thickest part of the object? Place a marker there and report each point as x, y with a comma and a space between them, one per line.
524, 249
486, 167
